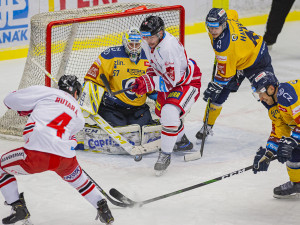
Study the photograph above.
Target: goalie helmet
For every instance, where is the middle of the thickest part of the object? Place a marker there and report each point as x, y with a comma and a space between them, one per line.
216, 17
151, 25
263, 80
70, 84
132, 40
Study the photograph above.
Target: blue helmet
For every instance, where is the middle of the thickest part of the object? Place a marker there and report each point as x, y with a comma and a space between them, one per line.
263, 80
216, 17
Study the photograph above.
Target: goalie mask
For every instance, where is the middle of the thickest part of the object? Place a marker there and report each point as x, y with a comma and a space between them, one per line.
132, 43
70, 84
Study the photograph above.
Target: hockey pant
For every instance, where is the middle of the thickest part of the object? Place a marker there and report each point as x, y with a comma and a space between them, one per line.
22, 161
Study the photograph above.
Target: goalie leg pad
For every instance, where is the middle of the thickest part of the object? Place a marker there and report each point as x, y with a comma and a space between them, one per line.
97, 140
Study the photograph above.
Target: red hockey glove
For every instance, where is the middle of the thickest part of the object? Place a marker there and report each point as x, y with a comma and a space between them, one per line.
24, 113
143, 84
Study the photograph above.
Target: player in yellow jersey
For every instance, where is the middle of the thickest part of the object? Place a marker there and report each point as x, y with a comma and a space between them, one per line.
283, 103
122, 65
239, 53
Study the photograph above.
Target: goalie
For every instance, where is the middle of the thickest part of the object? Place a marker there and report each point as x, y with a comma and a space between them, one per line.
122, 65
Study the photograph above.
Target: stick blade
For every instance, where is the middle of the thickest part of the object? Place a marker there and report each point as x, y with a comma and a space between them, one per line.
192, 156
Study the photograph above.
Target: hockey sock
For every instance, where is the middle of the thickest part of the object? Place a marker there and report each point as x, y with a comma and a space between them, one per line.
86, 188
214, 112
293, 169
9, 187
171, 127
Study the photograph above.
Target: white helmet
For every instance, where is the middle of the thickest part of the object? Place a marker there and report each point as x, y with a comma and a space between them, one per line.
132, 40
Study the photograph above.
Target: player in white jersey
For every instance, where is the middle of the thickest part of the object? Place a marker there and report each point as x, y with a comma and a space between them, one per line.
176, 78
49, 135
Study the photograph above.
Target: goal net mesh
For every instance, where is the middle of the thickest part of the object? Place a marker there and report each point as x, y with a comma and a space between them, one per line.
77, 37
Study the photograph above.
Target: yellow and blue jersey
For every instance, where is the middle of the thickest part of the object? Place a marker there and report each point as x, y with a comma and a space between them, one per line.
237, 48
121, 72
285, 115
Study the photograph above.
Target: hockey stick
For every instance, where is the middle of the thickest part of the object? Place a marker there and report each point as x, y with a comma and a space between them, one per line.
106, 84
136, 151
119, 196
198, 154
117, 203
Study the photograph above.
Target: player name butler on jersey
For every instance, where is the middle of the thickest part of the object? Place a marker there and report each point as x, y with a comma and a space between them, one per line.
55, 118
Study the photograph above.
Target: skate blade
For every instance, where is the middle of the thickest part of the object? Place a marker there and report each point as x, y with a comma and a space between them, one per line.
292, 196
24, 222
159, 173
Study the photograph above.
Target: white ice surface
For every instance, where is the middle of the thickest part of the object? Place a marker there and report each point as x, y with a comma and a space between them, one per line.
242, 127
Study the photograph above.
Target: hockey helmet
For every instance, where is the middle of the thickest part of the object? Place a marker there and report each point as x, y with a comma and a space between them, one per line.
70, 84
261, 83
132, 41
151, 25
216, 17
263, 80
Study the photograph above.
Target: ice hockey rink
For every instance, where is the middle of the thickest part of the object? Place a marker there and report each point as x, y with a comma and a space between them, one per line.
242, 127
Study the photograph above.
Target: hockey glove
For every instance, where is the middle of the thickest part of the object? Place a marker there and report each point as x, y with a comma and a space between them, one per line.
262, 160
212, 91
285, 148
143, 84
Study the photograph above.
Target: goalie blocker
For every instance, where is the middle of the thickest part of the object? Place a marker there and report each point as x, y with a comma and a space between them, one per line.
93, 138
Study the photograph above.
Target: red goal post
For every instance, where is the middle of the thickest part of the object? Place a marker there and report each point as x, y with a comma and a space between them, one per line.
176, 29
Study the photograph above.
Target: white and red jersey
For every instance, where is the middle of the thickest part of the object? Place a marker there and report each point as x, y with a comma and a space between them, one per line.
55, 119
169, 62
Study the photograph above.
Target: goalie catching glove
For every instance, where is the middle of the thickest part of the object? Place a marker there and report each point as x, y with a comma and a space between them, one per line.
212, 91
262, 160
143, 84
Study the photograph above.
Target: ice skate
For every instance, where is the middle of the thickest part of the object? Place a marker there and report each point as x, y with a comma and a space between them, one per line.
287, 190
162, 163
104, 214
19, 212
183, 145
199, 134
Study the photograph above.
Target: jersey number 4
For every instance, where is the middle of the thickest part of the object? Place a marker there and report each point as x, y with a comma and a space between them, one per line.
59, 123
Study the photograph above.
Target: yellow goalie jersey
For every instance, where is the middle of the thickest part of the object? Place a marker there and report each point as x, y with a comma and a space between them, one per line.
115, 64
236, 48
285, 115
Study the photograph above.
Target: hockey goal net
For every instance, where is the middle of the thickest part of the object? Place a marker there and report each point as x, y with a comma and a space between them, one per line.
68, 42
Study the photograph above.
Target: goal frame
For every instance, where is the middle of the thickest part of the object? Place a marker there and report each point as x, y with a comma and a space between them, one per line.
180, 8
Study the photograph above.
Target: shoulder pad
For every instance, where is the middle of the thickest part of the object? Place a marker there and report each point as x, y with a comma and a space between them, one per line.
232, 14
112, 52
286, 95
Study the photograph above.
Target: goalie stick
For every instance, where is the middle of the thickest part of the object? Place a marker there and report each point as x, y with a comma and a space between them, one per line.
130, 203
198, 154
106, 84
136, 151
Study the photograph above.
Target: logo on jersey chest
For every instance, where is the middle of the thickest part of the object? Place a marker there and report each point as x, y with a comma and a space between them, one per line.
136, 72
282, 109
118, 63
